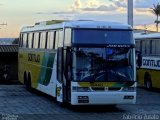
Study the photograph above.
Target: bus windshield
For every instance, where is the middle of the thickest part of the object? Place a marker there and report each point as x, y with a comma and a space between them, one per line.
103, 64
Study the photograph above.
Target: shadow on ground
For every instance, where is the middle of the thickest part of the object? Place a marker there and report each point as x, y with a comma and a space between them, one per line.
96, 108
82, 108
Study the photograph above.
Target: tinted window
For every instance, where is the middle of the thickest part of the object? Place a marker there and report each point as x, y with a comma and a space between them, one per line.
36, 40
138, 45
153, 45
24, 40
50, 40
21, 40
30, 39
143, 47
147, 47
67, 40
157, 47
59, 38
43, 40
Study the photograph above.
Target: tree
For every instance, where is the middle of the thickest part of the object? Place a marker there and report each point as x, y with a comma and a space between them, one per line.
156, 11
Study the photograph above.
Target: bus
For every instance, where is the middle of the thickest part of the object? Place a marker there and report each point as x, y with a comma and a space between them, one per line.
79, 62
148, 45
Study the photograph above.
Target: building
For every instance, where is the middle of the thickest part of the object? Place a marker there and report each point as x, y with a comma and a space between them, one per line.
9, 57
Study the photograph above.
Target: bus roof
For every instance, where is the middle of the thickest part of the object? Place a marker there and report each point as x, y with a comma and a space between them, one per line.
49, 25
146, 36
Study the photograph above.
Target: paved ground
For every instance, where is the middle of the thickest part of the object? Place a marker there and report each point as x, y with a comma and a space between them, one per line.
18, 104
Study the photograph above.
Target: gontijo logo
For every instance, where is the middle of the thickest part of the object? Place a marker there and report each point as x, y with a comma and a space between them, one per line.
151, 63
33, 57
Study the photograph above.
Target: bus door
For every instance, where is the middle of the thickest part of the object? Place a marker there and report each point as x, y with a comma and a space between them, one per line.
59, 89
63, 75
67, 74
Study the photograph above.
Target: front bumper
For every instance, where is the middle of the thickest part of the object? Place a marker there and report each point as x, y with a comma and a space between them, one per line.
102, 98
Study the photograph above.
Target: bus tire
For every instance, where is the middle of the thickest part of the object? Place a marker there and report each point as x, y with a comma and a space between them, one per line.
148, 81
25, 78
28, 83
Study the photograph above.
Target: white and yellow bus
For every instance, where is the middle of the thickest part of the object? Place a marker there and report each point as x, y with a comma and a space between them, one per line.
149, 73
79, 62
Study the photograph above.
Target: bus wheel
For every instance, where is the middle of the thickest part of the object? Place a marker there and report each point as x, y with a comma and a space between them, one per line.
25, 78
28, 83
147, 81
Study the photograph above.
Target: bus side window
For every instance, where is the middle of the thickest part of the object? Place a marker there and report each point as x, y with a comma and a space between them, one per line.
24, 40
43, 40
36, 40
46, 39
21, 40
56, 39
27, 40
59, 39
50, 40
143, 47
138, 45
150, 47
60, 43
30, 39
19, 43
39, 39
67, 39
157, 47
147, 47
153, 47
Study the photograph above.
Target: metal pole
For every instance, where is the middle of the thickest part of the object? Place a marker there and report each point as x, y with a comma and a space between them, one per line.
130, 12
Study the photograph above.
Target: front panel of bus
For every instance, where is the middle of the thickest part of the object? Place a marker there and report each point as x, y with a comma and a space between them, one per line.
101, 67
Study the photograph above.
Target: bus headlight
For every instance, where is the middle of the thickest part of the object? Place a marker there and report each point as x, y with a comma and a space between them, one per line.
129, 89
81, 89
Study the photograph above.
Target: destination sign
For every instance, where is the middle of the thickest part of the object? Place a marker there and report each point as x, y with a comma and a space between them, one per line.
126, 46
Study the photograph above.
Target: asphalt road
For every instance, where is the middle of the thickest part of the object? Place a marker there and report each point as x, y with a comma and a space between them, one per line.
18, 104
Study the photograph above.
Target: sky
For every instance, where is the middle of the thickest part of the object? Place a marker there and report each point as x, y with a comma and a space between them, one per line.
19, 13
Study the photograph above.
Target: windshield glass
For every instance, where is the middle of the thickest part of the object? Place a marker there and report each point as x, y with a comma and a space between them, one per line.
103, 64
